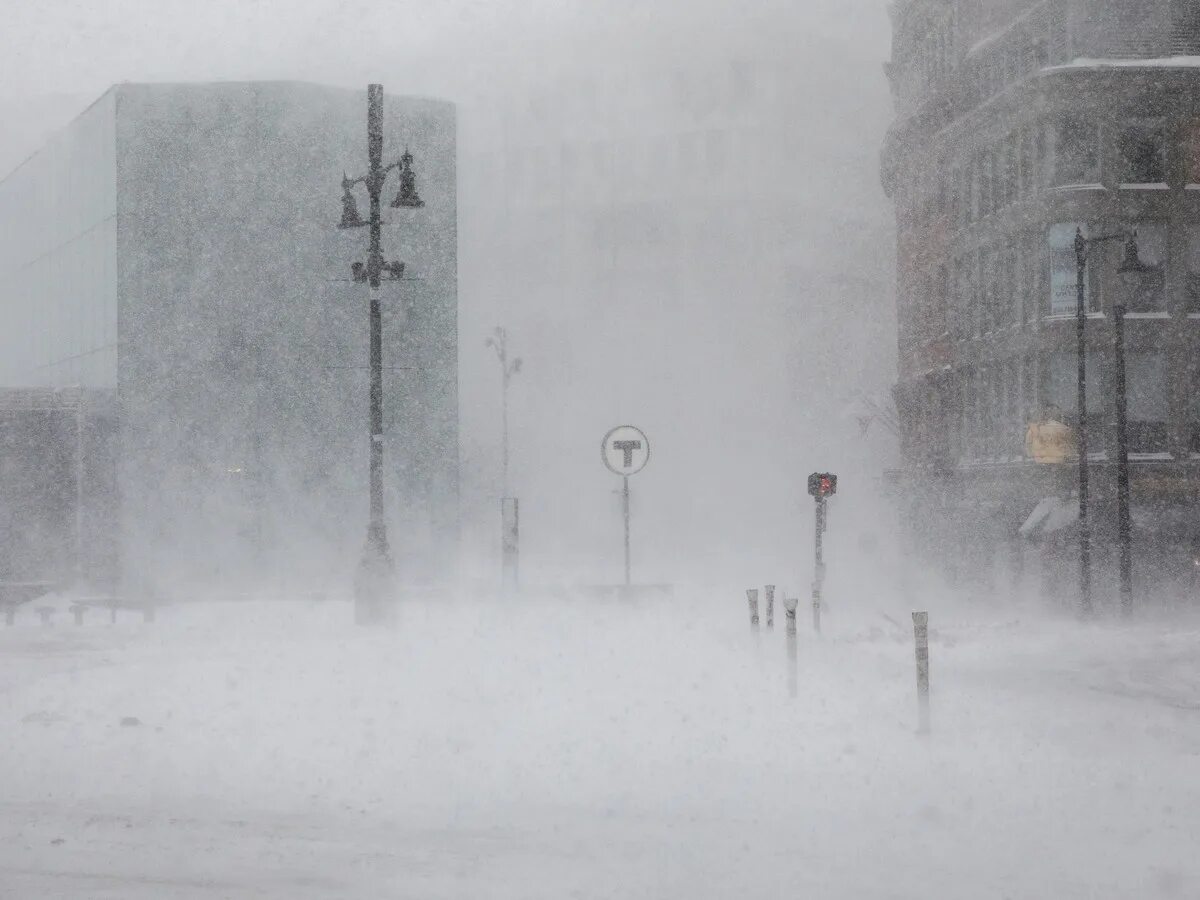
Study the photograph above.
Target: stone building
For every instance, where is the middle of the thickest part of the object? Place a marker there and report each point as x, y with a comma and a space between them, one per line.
1017, 123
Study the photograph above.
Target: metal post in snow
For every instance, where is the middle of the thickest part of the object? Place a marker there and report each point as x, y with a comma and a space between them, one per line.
921, 637
770, 590
509, 507
373, 580
752, 599
1085, 533
789, 607
511, 539
79, 461
819, 572
625, 451
625, 508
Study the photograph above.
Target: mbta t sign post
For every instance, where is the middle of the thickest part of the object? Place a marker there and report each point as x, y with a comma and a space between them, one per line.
625, 451
821, 486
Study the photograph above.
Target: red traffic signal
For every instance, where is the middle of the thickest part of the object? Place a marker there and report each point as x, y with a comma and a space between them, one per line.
822, 485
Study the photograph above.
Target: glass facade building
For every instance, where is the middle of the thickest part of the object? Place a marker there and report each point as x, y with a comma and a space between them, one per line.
174, 254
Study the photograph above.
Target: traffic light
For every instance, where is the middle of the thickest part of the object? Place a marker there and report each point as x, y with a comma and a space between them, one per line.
822, 485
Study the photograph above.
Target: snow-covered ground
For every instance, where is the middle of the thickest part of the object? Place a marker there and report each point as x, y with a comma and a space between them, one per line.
538, 750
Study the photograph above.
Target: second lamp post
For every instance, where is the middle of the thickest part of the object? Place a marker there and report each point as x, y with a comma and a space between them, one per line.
1131, 266
510, 527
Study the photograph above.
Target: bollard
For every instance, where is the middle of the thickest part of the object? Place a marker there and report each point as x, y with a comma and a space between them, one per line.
752, 599
46, 612
112, 612
10, 615
921, 635
77, 611
770, 589
789, 608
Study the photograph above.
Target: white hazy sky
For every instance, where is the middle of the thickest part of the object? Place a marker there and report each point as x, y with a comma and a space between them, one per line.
56, 56
69, 46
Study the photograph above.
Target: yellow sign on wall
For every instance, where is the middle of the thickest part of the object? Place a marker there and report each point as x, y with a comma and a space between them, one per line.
1050, 442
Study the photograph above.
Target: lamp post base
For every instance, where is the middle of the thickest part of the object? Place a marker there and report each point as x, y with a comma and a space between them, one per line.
510, 538
375, 587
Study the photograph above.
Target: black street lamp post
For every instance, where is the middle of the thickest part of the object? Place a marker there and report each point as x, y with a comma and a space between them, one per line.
1085, 534
1131, 265
509, 507
373, 581
508, 368
1124, 535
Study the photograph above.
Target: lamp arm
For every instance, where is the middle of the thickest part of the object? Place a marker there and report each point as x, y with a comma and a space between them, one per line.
1115, 236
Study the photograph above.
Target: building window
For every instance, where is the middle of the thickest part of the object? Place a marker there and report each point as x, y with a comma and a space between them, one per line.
1014, 434
1063, 279
1041, 53
1146, 401
997, 443
983, 188
964, 194
1147, 292
1193, 139
1012, 289
973, 195
1061, 391
1076, 152
991, 293
978, 294
968, 414
1006, 164
1193, 269
1025, 163
941, 297
1194, 414
1030, 397
985, 391
1143, 149
1030, 255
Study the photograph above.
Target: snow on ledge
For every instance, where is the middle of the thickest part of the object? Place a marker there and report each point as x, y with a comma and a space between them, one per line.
1162, 62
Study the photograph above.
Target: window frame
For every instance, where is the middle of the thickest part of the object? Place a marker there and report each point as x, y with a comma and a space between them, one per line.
1127, 177
1089, 175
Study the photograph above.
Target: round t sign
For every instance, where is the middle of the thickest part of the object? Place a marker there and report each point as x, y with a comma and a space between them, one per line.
626, 450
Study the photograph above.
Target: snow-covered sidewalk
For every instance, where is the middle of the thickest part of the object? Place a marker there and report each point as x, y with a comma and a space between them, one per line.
554, 751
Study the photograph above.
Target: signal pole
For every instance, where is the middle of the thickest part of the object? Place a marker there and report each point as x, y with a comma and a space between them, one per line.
821, 486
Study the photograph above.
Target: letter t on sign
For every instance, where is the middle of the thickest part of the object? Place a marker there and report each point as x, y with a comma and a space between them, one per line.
627, 447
